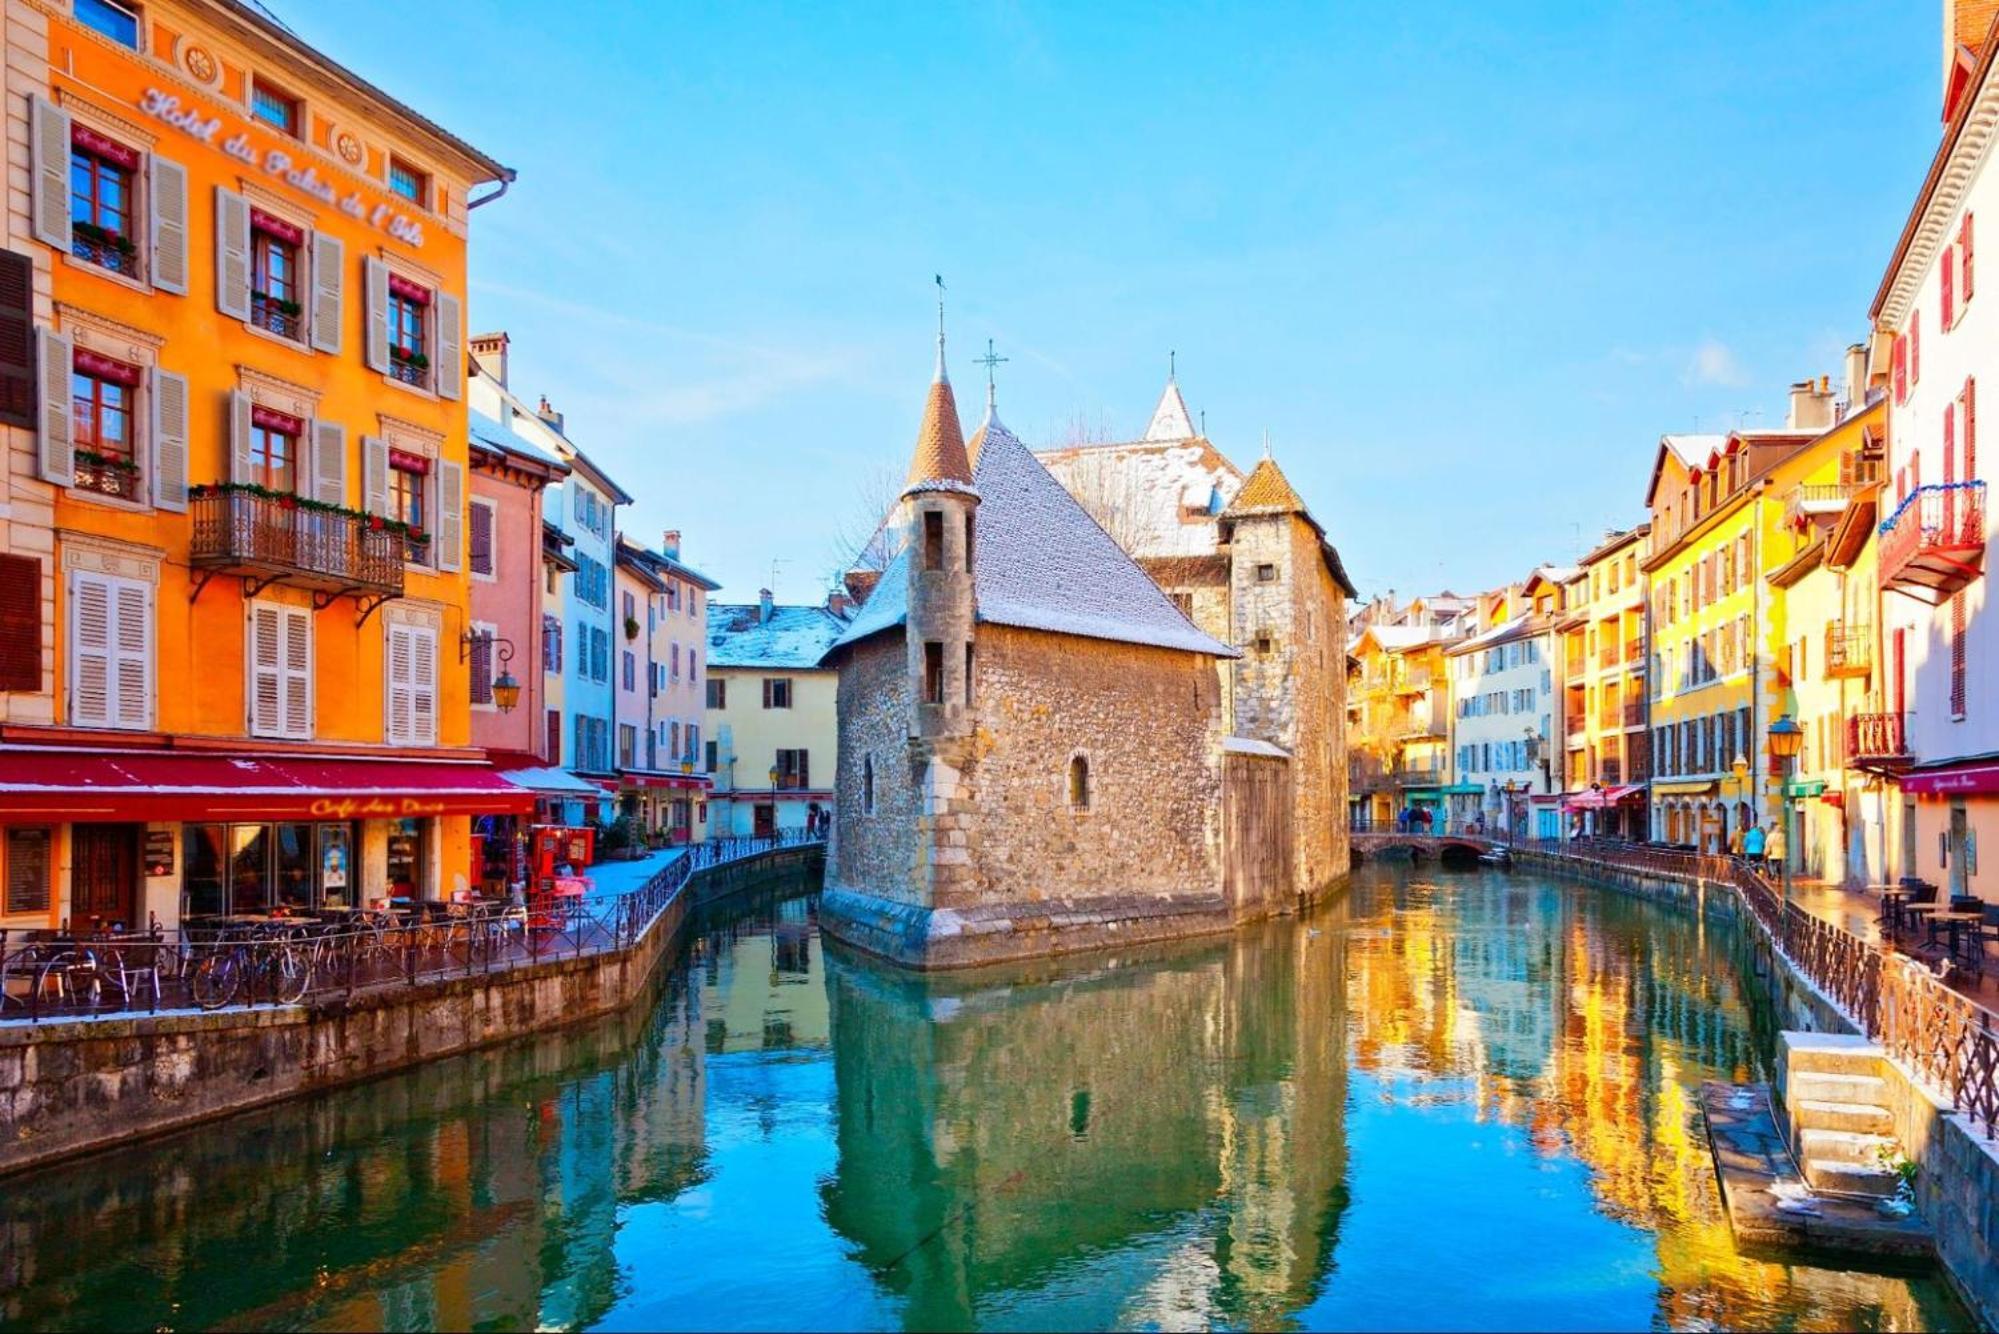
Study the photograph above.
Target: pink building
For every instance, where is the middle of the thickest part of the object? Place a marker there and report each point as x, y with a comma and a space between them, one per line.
504, 527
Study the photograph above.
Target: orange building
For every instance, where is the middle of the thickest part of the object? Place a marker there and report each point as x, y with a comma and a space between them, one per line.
235, 590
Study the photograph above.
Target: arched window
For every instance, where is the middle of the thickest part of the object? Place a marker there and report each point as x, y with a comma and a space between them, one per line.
867, 785
1079, 783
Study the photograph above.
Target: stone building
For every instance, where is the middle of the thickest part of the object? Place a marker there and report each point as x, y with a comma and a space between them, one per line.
1034, 754
1245, 560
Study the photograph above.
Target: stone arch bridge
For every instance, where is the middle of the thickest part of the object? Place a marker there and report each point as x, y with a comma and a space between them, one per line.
1422, 847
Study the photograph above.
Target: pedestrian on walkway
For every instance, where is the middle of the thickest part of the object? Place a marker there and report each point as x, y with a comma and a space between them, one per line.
1753, 845
1773, 845
1735, 842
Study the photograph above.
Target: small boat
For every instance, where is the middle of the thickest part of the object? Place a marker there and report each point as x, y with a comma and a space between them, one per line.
1495, 857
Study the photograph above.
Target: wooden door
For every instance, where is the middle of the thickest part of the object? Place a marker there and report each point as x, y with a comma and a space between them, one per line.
1256, 830
765, 820
104, 876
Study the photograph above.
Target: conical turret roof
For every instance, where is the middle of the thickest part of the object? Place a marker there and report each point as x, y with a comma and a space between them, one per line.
1170, 420
940, 462
1265, 491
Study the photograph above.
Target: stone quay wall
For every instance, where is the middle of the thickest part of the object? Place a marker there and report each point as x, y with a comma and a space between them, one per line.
70, 1086
1957, 1178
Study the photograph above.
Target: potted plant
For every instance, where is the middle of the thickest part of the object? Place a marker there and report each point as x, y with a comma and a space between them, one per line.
631, 627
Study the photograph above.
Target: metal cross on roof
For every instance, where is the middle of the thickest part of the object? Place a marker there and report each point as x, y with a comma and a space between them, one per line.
990, 360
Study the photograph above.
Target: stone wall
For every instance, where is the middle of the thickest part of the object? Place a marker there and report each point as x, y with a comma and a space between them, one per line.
875, 851
69, 1086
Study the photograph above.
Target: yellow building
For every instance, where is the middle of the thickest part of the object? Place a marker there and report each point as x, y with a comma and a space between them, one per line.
1603, 662
772, 721
235, 545
1398, 717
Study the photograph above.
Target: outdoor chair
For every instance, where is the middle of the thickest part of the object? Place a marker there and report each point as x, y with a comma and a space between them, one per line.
129, 968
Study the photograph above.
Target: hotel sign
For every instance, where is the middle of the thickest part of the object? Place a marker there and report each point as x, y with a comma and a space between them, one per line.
198, 125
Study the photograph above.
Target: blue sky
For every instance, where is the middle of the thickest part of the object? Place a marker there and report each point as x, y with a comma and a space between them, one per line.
1464, 263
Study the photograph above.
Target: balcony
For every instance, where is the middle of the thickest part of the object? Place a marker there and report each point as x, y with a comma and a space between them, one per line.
106, 475
1819, 498
1634, 653
1934, 542
277, 540
1420, 773
1608, 656
107, 250
1413, 683
1410, 729
1575, 665
1878, 741
275, 314
1849, 649
412, 369
1633, 714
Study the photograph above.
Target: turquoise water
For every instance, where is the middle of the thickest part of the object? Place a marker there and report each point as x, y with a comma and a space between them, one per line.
1453, 1100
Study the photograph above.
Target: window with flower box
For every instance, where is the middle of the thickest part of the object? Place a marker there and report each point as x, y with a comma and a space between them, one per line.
276, 296
409, 347
104, 401
274, 450
407, 475
103, 177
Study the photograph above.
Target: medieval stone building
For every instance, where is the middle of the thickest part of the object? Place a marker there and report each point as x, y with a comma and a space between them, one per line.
1246, 561
1034, 750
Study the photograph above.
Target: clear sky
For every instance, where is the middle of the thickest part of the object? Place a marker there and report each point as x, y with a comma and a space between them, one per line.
1464, 263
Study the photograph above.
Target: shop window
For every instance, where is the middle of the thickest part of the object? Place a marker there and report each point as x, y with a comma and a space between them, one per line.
292, 866
275, 107
249, 868
118, 22
406, 859
28, 867
103, 423
276, 250
409, 347
408, 182
103, 177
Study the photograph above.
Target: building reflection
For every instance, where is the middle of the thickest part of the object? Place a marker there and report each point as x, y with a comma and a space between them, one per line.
478, 1191
1175, 1116
1586, 1020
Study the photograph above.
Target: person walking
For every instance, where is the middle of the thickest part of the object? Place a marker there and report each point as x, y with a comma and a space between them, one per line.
1753, 844
1773, 846
1735, 842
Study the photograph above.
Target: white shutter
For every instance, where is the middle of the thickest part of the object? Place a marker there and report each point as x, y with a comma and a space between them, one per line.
423, 688
450, 515
329, 463
297, 716
232, 254
169, 440
266, 668
375, 275
329, 273
90, 632
374, 474
449, 363
169, 208
397, 702
133, 652
49, 128
55, 453
576, 490
239, 436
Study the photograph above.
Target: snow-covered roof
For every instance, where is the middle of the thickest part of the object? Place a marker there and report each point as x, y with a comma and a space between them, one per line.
490, 433
1397, 638
1160, 497
1244, 745
1170, 420
1520, 627
1043, 564
794, 637
1693, 450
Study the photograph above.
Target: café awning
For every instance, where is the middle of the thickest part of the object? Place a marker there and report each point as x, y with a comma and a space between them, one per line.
1600, 798
548, 781
40, 785
1975, 779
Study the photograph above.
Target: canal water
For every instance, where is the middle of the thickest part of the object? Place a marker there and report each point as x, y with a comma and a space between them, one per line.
1452, 1100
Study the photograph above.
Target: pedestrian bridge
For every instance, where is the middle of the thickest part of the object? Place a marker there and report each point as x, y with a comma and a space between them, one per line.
1431, 847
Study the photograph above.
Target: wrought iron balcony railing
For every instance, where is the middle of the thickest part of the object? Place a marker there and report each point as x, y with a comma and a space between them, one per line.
1878, 740
275, 540
106, 475
1849, 649
1934, 542
277, 315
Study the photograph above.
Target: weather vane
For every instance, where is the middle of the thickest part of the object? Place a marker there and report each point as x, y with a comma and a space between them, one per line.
990, 360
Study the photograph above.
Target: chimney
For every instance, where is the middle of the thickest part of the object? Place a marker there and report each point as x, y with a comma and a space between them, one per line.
549, 414
669, 544
860, 583
490, 351
763, 606
1811, 405
839, 603
1856, 377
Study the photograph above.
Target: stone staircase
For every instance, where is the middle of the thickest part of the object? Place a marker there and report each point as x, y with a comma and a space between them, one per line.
1841, 1124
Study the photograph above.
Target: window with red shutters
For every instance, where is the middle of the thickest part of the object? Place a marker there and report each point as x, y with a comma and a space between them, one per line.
1970, 428
1900, 359
1947, 277
20, 623
1949, 443
1915, 347
18, 395
553, 741
1964, 263
1957, 663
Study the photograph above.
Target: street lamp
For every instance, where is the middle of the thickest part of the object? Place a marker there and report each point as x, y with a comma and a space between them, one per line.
1786, 739
506, 690
1514, 790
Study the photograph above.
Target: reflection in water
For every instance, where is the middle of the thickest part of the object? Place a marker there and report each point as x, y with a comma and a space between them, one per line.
1451, 1100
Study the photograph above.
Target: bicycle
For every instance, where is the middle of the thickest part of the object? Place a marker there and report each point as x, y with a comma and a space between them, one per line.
271, 962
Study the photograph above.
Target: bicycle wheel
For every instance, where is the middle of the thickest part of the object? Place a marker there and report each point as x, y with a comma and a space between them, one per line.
291, 974
216, 979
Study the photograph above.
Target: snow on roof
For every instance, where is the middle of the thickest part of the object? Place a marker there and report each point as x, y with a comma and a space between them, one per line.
1243, 745
1160, 496
793, 637
1693, 450
1520, 627
490, 433
1044, 564
1396, 638
1170, 420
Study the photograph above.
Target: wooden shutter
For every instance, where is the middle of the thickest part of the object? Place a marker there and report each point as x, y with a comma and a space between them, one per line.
1964, 260
449, 363
1970, 429
20, 623
553, 740
169, 209
482, 665
450, 515
89, 649
232, 254
297, 645
1899, 363
1949, 443
55, 454
374, 474
266, 669
329, 463
329, 270
17, 340
397, 704
375, 276
1948, 281
480, 547
169, 440
49, 129
133, 647
239, 436
1915, 346
423, 687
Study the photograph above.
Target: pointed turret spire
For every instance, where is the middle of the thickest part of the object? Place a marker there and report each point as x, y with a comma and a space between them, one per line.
1171, 420
943, 376
940, 462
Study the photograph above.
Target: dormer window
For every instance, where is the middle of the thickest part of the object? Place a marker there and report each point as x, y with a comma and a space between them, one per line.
118, 22
275, 107
408, 182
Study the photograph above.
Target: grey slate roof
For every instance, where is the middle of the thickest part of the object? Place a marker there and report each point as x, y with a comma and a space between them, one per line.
1043, 564
794, 637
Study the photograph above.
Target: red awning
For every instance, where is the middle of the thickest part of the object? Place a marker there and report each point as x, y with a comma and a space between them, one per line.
40, 785
636, 779
1596, 801
1958, 780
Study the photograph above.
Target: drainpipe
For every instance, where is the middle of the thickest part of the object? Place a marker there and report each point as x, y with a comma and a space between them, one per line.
507, 177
